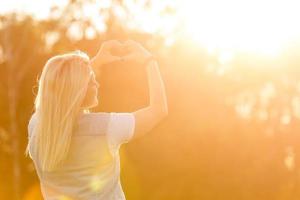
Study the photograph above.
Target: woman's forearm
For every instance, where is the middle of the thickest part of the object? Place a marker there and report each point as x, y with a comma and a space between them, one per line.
93, 63
158, 99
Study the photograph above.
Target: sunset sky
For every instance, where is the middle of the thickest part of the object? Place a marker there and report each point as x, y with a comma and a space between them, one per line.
263, 26
39, 8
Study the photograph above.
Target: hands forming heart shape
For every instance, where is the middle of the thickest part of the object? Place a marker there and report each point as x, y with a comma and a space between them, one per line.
113, 50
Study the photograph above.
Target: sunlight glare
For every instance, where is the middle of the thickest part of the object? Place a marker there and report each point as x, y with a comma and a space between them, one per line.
260, 26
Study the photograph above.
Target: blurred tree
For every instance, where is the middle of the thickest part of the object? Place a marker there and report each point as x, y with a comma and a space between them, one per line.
21, 44
232, 129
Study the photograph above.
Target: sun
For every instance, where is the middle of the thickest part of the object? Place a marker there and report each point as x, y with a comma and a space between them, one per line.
259, 26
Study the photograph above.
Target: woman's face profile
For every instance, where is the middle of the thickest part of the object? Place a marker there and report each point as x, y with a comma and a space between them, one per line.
91, 99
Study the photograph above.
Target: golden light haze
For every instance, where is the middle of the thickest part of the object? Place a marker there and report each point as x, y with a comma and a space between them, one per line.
261, 26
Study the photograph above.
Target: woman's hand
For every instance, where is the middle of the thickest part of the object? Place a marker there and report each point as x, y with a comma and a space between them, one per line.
137, 53
104, 55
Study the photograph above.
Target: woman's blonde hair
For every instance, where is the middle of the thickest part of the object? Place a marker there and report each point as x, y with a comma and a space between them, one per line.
62, 88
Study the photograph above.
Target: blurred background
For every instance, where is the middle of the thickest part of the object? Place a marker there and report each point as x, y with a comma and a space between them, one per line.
232, 76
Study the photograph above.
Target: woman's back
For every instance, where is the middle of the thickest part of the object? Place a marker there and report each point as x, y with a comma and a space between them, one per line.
83, 163
92, 167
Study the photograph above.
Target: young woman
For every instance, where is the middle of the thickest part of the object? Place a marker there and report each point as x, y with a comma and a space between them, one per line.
75, 152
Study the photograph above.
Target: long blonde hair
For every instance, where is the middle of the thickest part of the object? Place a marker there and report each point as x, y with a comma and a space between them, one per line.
62, 88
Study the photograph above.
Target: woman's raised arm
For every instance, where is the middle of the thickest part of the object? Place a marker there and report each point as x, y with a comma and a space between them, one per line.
148, 117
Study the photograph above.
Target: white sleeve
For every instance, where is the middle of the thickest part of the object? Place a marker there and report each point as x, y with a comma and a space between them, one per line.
121, 128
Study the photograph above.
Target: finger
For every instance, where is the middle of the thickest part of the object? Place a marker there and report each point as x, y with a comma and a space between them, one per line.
105, 58
129, 57
108, 58
130, 44
114, 59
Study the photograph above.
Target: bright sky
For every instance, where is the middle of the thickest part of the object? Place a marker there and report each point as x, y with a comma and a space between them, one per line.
262, 26
256, 25
39, 8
